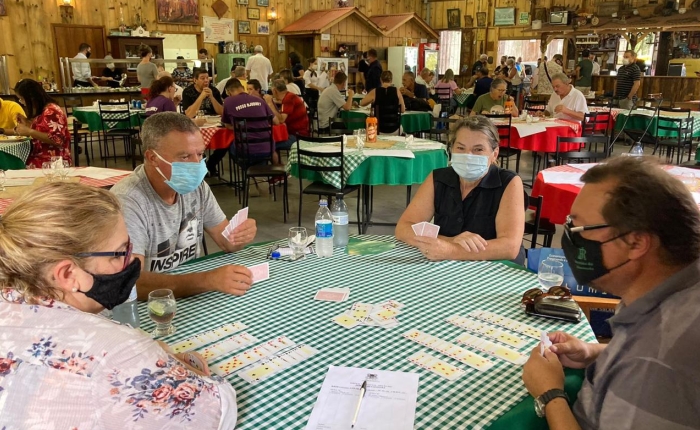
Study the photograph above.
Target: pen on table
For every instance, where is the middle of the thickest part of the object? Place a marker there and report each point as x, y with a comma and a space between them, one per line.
363, 390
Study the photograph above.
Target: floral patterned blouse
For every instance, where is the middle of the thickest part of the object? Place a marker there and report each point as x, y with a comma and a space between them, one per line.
53, 122
61, 368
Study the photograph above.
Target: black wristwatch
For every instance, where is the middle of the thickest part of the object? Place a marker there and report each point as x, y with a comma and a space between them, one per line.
548, 396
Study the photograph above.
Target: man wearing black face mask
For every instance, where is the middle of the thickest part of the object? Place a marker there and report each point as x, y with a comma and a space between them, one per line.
634, 232
82, 74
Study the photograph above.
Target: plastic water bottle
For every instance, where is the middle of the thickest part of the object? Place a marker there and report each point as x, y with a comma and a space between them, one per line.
127, 312
637, 150
324, 230
339, 211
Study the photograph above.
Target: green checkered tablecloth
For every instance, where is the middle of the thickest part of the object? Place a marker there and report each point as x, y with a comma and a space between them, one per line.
19, 149
376, 170
91, 116
640, 121
411, 121
431, 291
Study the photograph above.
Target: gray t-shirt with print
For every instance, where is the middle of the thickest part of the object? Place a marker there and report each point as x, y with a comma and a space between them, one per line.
166, 235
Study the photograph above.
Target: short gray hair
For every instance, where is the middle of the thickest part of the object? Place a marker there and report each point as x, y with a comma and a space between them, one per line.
280, 85
510, 62
496, 82
480, 124
562, 77
239, 71
483, 57
159, 125
258, 48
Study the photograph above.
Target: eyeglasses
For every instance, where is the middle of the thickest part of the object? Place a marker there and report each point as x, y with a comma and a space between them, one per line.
126, 254
569, 228
534, 295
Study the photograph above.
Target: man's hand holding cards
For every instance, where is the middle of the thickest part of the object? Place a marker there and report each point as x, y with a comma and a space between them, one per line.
240, 231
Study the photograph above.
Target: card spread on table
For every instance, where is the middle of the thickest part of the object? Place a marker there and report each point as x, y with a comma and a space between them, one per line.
368, 314
487, 330
237, 220
252, 355
332, 294
545, 343
207, 337
228, 345
261, 272
277, 363
449, 349
508, 323
426, 229
436, 365
492, 348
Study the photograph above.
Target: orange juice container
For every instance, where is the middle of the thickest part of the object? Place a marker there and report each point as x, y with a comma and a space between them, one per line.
371, 125
509, 106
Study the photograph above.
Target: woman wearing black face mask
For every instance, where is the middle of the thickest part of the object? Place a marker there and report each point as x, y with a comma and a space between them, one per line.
65, 255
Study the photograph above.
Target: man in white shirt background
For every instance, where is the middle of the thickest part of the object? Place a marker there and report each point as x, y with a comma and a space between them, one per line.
596, 66
237, 72
82, 75
566, 102
259, 68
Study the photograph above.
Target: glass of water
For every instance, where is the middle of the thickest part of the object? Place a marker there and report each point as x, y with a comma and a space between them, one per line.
550, 274
48, 170
361, 138
161, 308
62, 169
297, 241
2, 180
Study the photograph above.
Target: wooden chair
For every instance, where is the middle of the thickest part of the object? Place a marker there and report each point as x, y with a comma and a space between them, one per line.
587, 303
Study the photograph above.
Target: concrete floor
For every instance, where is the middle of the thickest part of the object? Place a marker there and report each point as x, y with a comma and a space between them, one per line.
389, 202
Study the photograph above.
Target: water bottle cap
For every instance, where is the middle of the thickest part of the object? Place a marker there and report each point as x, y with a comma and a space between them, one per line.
323, 202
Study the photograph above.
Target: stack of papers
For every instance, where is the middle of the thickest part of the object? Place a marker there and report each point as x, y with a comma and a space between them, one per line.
568, 178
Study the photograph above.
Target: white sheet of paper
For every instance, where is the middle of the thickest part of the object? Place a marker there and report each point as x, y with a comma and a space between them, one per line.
98, 173
19, 182
401, 153
583, 166
28, 173
570, 178
389, 404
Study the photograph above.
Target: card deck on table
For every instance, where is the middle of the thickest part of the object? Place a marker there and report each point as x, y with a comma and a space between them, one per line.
228, 345
276, 363
507, 354
437, 366
261, 272
332, 294
508, 323
252, 355
449, 349
206, 337
487, 330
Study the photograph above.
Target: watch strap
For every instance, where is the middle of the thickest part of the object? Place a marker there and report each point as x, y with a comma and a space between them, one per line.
552, 394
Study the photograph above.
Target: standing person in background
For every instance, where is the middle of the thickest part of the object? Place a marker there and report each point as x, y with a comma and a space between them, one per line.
312, 77
584, 70
182, 75
82, 75
111, 74
628, 80
146, 72
482, 62
549, 69
374, 71
596, 66
500, 68
363, 67
204, 55
259, 68
297, 71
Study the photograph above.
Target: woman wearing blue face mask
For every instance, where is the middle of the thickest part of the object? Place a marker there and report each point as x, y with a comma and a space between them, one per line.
65, 255
478, 206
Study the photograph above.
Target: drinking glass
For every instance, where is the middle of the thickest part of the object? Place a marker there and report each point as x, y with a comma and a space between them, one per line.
361, 138
161, 309
62, 168
550, 274
2, 180
48, 170
297, 241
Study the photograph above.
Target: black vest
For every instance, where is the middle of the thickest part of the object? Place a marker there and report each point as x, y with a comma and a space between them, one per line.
386, 108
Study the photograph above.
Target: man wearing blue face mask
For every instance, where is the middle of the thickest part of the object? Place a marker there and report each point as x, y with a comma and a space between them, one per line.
634, 231
167, 208
479, 207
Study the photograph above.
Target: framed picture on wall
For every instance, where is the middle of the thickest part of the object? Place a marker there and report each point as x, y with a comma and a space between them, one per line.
241, 1
503, 16
481, 19
263, 3
540, 14
253, 13
243, 27
174, 12
453, 18
524, 18
263, 28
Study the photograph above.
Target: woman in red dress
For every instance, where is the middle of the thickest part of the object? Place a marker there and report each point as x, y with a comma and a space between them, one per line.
46, 124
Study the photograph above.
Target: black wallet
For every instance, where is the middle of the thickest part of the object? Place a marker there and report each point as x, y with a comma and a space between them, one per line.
556, 308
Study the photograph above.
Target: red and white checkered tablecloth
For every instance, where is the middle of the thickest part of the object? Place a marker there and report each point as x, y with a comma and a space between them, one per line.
208, 133
99, 183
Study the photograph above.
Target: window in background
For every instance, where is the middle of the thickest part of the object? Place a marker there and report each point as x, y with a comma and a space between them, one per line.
529, 49
450, 51
175, 45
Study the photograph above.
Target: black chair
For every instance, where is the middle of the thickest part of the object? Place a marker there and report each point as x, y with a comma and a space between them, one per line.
589, 150
254, 165
535, 225
534, 105
503, 124
332, 162
79, 132
312, 113
444, 96
682, 128
440, 129
339, 126
116, 122
646, 135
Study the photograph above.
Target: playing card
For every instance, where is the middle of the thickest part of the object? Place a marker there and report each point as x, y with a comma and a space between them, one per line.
182, 346
229, 366
208, 336
242, 215
345, 321
436, 366
227, 345
451, 350
384, 314
491, 348
508, 323
261, 272
193, 361
545, 343
332, 294
430, 230
418, 228
487, 330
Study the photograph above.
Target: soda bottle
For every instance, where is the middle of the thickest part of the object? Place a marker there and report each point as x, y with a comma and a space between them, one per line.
324, 230
339, 211
371, 125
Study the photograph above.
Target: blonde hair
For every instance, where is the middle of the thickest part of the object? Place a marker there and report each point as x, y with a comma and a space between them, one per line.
49, 224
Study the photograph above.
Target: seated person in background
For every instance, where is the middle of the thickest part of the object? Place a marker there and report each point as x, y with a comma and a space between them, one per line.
254, 89
168, 207
448, 82
293, 112
9, 112
496, 97
237, 72
201, 95
634, 232
566, 102
292, 87
177, 98
479, 207
426, 78
111, 75
161, 96
182, 74
388, 104
411, 88
53, 287
331, 100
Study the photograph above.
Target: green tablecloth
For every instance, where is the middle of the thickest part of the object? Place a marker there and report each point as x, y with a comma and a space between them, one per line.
363, 170
431, 291
640, 122
13, 155
91, 117
412, 122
